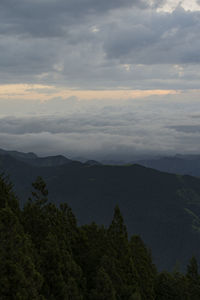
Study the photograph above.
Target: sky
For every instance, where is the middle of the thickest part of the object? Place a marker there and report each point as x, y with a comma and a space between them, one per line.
102, 79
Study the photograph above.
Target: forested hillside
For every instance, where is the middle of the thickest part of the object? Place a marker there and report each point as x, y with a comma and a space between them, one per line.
45, 255
164, 209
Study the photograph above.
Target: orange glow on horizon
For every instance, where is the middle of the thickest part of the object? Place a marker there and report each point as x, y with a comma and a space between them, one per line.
46, 92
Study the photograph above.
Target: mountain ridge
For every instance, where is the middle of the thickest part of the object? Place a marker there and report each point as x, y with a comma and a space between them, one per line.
180, 164
33, 159
163, 208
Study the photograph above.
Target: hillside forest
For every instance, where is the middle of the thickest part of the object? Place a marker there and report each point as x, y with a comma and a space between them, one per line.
44, 254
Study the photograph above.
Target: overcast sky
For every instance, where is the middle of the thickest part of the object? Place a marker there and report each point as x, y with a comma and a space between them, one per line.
100, 79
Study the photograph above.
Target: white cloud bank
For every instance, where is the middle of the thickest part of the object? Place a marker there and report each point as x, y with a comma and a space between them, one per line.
104, 129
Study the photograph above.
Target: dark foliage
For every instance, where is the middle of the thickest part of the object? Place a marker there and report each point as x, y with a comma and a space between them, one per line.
45, 255
164, 209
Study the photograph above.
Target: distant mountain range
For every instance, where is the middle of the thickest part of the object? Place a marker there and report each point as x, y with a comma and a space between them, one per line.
163, 208
32, 159
179, 164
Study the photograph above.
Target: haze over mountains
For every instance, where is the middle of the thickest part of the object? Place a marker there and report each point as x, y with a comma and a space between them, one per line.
180, 164
163, 208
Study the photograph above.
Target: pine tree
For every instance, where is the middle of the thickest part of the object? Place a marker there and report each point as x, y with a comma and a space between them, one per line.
63, 277
193, 279
180, 284
171, 286
19, 278
122, 271
54, 286
53, 231
91, 244
145, 268
40, 192
103, 287
7, 196
34, 218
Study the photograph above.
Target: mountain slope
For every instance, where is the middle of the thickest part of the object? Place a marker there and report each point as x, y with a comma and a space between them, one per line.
33, 160
163, 208
180, 164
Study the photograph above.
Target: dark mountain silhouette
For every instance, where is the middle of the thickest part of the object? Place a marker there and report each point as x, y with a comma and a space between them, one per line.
18, 155
180, 164
32, 159
163, 208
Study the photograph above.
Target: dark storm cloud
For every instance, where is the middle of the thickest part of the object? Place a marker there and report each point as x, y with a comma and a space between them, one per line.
160, 38
22, 57
90, 44
45, 18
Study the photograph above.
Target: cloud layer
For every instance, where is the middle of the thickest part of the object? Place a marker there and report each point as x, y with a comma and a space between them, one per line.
80, 45
104, 130
99, 44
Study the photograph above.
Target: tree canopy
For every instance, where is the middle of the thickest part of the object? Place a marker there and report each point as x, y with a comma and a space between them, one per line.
44, 254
